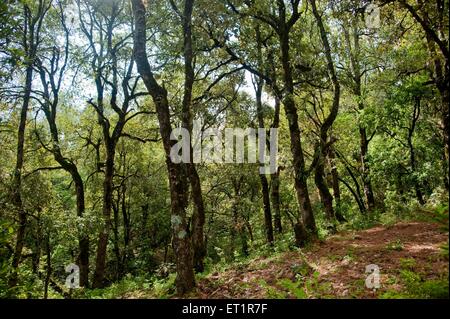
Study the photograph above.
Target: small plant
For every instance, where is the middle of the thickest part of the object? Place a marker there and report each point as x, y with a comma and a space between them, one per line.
271, 292
303, 269
316, 289
417, 287
294, 288
350, 254
407, 263
164, 288
444, 251
440, 215
396, 245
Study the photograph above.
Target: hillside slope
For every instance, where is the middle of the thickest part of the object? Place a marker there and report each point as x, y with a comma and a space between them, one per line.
409, 256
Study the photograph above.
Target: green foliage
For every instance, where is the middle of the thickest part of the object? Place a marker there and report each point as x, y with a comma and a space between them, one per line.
416, 287
293, 288
396, 245
132, 287
440, 215
393, 103
6, 233
407, 263
272, 292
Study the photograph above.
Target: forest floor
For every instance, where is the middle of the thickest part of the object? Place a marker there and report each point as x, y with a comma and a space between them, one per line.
409, 256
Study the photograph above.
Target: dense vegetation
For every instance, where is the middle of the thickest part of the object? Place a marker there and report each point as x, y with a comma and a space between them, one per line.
90, 91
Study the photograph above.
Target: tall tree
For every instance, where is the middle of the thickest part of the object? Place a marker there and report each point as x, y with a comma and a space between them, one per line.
260, 115
33, 16
177, 172
113, 76
198, 218
324, 140
352, 35
434, 22
282, 21
52, 67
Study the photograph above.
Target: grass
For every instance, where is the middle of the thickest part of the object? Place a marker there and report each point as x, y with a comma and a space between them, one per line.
418, 288
396, 245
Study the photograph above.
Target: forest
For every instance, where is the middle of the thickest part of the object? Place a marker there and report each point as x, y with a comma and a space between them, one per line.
338, 186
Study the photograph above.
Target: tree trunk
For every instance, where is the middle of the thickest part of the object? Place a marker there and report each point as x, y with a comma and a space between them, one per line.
275, 198
17, 181
50, 111
322, 150
198, 218
325, 195
83, 239
177, 172
100, 263
305, 223
336, 188
412, 156
441, 78
260, 115
116, 249
49, 266
275, 177
363, 141
446, 128
126, 232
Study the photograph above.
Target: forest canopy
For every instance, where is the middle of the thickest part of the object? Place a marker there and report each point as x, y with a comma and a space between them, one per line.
93, 91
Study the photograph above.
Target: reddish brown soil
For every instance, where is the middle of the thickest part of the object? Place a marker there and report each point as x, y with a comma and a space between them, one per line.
339, 265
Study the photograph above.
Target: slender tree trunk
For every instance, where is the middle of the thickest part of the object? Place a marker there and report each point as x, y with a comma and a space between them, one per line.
275, 177
177, 172
322, 150
356, 193
412, 155
305, 224
31, 29
100, 263
249, 229
275, 198
83, 239
336, 188
49, 266
198, 218
365, 171
266, 206
126, 232
116, 249
233, 232
363, 141
446, 128
325, 195
17, 181
260, 115
50, 111
445, 171
37, 245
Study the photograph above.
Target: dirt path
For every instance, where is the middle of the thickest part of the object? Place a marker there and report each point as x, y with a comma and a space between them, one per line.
336, 268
